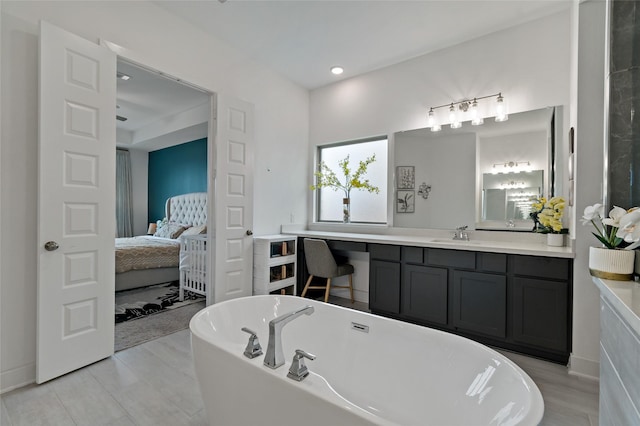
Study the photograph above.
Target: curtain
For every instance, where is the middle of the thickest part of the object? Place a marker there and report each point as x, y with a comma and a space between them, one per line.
124, 214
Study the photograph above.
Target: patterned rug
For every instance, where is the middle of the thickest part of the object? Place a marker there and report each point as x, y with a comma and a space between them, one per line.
140, 302
156, 311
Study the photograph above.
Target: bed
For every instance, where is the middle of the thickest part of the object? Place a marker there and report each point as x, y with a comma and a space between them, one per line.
146, 260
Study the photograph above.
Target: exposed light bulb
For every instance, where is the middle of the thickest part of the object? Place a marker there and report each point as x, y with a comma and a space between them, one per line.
431, 119
436, 128
453, 118
501, 110
476, 120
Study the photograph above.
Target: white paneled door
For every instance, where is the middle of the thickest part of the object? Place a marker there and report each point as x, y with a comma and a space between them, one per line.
233, 200
76, 204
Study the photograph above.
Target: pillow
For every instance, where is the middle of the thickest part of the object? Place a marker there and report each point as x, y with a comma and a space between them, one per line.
195, 230
170, 230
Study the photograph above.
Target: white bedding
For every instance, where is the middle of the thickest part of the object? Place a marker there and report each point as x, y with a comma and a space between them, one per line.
146, 252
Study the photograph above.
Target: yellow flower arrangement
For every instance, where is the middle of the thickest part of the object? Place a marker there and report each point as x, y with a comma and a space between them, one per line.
547, 215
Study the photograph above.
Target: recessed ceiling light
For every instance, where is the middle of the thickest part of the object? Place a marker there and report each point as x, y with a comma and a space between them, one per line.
337, 70
123, 76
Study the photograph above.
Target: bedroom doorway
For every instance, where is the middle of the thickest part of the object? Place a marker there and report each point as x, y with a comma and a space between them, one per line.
83, 293
162, 161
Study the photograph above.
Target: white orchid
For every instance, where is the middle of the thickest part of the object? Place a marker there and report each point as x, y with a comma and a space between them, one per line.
615, 215
624, 225
592, 213
629, 229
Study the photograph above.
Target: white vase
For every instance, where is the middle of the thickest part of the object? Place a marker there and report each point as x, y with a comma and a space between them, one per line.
555, 240
611, 264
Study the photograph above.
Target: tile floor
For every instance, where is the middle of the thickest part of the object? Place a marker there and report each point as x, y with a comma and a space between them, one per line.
153, 384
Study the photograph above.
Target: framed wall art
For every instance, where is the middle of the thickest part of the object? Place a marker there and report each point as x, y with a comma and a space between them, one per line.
405, 177
405, 201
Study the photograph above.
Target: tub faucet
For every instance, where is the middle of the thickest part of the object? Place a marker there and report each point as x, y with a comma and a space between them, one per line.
298, 370
275, 357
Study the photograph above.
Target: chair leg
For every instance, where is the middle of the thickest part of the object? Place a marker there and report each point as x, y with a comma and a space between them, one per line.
326, 292
306, 286
351, 286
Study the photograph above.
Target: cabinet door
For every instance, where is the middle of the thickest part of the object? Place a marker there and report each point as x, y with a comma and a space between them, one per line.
384, 286
540, 313
480, 302
424, 293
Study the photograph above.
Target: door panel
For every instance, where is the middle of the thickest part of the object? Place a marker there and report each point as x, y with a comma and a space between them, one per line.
384, 286
233, 199
424, 293
480, 303
76, 203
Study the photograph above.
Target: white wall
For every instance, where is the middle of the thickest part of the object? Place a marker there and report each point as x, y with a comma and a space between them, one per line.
529, 64
281, 132
589, 170
532, 66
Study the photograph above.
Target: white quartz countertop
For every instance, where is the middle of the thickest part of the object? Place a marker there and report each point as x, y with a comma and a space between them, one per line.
625, 298
508, 247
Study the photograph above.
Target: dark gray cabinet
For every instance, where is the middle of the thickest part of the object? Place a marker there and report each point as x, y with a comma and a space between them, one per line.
384, 278
424, 293
517, 302
540, 313
480, 303
384, 286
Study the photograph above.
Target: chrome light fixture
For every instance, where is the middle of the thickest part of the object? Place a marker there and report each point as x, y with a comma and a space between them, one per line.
467, 110
501, 110
431, 122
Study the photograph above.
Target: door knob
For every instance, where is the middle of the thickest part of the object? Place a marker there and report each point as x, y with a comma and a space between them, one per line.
249, 232
51, 246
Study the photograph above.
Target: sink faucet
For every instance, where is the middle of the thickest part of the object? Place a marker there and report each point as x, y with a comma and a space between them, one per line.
461, 234
275, 357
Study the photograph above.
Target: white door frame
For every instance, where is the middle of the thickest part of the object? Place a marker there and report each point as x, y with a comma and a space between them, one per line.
137, 58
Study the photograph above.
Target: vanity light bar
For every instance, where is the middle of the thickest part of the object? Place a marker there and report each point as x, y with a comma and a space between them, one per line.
458, 110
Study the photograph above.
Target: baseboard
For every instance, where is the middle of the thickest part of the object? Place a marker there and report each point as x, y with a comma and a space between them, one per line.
584, 368
17, 377
358, 295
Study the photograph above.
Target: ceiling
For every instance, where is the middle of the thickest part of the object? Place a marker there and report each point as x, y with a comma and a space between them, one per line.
160, 112
302, 39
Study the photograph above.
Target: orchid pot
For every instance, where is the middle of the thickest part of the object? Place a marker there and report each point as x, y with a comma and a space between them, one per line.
555, 240
611, 264
620, 235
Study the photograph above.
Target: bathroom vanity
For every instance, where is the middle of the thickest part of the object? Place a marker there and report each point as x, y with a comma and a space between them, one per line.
515, 296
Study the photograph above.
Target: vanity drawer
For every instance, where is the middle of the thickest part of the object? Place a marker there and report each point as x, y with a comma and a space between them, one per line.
347, 245
542, 267
384, 252
451, 258
413, 254
492, 262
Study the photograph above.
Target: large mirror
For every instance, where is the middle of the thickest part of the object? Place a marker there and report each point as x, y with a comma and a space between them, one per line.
477, 176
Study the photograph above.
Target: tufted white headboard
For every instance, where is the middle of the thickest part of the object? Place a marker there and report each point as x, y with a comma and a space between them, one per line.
188, 209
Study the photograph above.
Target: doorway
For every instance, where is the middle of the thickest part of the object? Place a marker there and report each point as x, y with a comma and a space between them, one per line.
162, 131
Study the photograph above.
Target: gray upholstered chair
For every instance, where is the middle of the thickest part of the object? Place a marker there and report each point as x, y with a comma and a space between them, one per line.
321, 263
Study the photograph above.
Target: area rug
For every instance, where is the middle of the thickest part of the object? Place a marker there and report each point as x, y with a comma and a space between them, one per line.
152, 312
140, 302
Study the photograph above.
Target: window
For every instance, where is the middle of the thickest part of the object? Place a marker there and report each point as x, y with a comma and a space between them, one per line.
366, 207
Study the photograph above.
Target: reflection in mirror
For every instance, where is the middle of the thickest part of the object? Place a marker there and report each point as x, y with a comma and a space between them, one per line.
507, 197
455, 163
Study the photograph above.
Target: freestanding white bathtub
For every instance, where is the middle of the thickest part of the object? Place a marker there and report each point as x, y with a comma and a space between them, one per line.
393, 374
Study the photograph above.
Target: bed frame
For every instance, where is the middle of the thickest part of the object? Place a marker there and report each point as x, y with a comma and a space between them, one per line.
189, 209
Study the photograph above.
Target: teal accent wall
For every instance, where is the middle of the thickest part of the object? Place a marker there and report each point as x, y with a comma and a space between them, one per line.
176, 170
